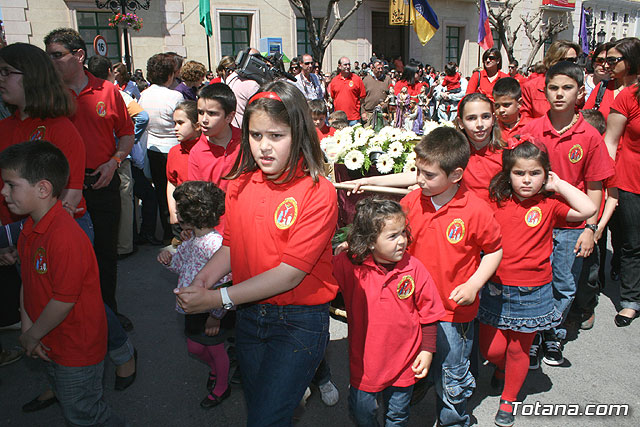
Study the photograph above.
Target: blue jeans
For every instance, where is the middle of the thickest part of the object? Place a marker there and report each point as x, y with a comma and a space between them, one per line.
79, 391
279, 349
450, 372
566, 271
354, 122
363, 406
87, 225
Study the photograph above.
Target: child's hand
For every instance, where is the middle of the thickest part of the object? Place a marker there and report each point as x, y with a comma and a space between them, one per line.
552, 182
165, 257
341, 248
8, 256
358, 183
71, 209
212, 326
34, 347
422, 363
598, 233
186, 235
194, 299
464, 294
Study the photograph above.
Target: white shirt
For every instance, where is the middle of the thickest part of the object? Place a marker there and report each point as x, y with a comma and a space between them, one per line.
160, 102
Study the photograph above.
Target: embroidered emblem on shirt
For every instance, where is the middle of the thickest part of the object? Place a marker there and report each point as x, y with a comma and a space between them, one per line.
533, 216
455, 231
576, 153
40, 261
406, 286
286, 213
38, 133
101, 109
350, 84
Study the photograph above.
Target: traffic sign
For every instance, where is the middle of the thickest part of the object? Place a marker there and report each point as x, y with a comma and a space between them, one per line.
100, 46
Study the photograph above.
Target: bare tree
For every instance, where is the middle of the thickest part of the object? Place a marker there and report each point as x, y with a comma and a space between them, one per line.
320, 35
499, 18
538, 31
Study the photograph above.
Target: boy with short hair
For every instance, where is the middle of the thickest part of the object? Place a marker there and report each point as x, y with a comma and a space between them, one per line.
579, 156
212, 157
338, 119
451, 228
319, 114
507, 96
63, 317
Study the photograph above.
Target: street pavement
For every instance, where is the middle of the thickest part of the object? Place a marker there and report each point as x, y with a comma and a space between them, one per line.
601, 367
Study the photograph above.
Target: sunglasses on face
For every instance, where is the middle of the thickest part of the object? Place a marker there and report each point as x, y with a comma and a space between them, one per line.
572, 59
613, 60
599, 60
58, 55
308, 63
512, 66
491, 58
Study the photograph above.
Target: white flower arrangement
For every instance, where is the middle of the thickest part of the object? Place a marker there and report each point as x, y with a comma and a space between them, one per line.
358, 148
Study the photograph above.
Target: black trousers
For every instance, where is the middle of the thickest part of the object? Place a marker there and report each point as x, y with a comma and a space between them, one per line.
104, 207
628, 208
158, 166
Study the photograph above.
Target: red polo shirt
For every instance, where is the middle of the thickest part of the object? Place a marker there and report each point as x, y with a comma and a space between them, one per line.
628, 158
508, 133
483, 165
413, 89
479, 82
527, 239
178, 162
449, 242
60, 132
269, 223
385, 311
520, 78
607, 99
346, 94
100, 115
58, 263
534, 101
211, 162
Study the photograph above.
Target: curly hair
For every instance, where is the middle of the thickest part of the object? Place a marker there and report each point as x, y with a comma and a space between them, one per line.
193, 71
159, 67
199, 203
371, 215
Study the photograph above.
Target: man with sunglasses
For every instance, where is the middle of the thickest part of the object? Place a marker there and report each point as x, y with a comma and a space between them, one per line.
307, 81
513, 72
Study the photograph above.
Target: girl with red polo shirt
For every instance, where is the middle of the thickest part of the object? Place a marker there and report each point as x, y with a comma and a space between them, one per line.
281, 214
518, 300
392, 303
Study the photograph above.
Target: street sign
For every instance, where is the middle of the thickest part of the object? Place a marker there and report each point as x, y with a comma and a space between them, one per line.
100, 46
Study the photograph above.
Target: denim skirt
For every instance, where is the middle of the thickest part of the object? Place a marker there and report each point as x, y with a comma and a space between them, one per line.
518, 308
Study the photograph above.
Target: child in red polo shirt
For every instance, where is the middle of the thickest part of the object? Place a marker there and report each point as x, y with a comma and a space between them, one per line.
63, 318
214, 154
188, 132
518, 300
392, 302
452, 228
579, 156
508, 95
281, 214
319, 114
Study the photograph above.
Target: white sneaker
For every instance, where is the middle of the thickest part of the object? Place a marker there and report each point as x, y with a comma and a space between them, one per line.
306, 395
329, 393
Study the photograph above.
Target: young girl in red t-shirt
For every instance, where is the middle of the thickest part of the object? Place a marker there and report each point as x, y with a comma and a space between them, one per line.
518, 300
392, 303
281, 214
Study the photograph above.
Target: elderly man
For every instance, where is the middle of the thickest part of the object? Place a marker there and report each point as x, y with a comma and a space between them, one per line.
376, 87
347, 90
308, 82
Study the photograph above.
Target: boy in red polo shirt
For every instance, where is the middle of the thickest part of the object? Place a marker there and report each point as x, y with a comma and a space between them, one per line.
63, 318
451, 228
219, 145
579, 156
507, 96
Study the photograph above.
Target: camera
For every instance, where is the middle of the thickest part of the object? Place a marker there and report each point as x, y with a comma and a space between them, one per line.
255, 67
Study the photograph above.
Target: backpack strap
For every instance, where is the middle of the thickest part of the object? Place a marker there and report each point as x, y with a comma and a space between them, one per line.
601, 89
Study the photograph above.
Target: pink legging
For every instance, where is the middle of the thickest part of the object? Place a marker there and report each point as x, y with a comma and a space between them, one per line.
216, 357
509, 351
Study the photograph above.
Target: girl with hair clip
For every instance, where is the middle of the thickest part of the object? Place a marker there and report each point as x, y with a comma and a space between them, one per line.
41, 105
281, 216
517, 302
392, 302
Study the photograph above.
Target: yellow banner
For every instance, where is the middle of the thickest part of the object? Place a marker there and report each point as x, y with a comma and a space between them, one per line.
400, 12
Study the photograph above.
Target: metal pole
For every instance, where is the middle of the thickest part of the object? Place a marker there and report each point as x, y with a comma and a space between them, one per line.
208, 52
125, 32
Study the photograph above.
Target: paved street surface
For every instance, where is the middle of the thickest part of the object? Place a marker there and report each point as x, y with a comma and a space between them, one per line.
601, 367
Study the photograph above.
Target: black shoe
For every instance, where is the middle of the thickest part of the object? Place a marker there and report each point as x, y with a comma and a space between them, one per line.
124, 382
212, 400
534, 353
211, 382
552, 352
36, 405
148, 239
125, 322
624, 321
504, 418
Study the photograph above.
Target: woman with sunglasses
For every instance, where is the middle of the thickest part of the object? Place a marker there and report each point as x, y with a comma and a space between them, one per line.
534, 103
623, 142
595, 70
483, 81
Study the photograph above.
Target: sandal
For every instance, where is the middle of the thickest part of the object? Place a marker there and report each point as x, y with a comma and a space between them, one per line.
212, 400
504, 418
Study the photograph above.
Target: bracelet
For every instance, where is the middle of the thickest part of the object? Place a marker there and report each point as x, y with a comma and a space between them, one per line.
592, 227
117, 159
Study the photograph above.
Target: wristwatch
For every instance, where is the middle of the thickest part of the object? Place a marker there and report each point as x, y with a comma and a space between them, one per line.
227, 304
592, 227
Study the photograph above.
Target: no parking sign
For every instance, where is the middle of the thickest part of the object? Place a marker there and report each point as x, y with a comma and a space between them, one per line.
100, 46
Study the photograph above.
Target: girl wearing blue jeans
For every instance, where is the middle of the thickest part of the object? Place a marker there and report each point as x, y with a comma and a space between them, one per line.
280, 217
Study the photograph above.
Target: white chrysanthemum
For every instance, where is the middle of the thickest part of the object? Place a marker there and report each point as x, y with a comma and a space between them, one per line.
428, 126
385, 132
327, 140
395, 149
395, 134
448, 124
409, 167
384, 163
411, 157
378, 140
353, 160
333, 151
373, 148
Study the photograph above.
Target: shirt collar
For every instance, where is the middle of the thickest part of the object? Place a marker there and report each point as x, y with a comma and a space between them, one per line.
402, 266
43, 225
577, 128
